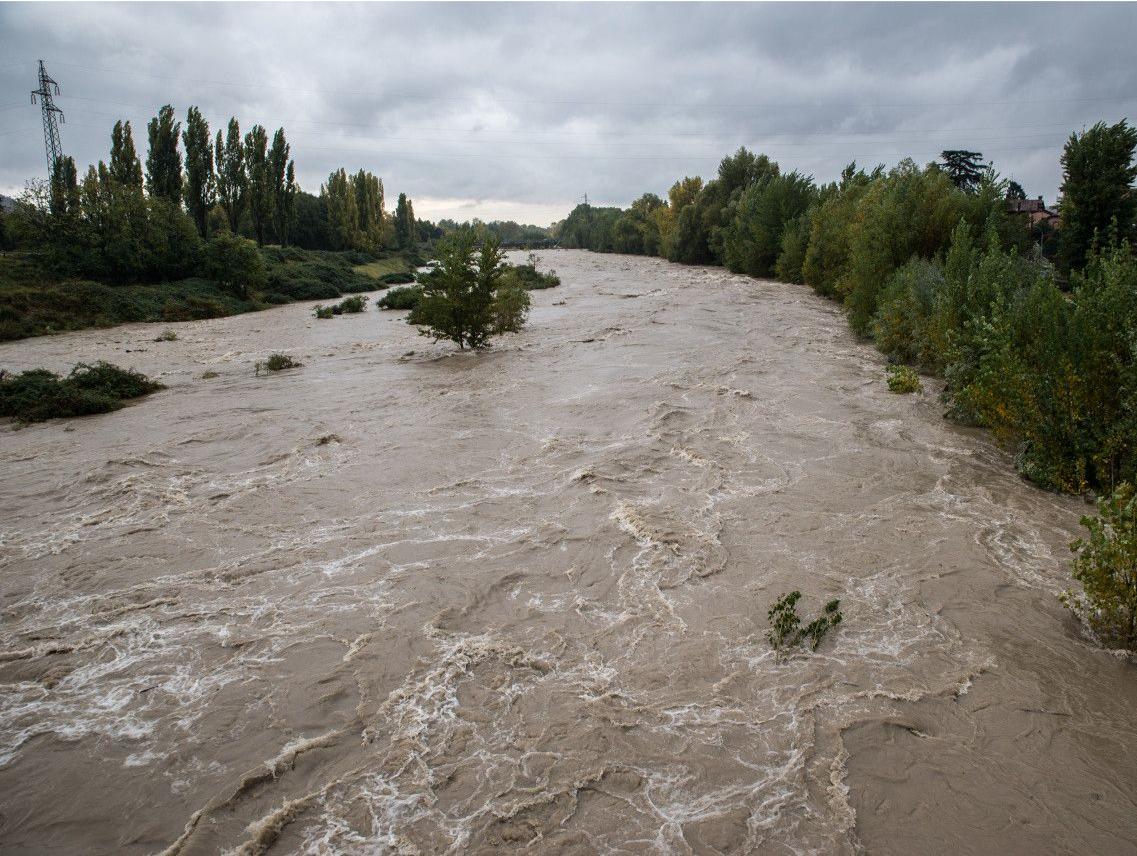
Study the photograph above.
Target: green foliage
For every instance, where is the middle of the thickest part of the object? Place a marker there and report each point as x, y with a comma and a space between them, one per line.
312, 275
321, 311
910, 324
39, 395
401, 298
752, 241
276, 363
1098, 200
166, 336
466, 300
786, 631
1106, 566
282, 188
903, 379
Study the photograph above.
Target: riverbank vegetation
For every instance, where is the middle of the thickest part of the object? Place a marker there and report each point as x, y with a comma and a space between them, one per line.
947, 271
38, 395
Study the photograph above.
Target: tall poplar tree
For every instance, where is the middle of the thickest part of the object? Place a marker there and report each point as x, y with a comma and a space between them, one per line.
343, 211
369, 204
164, 161
260, 183
282, 179
125, 167
404, 223
232, 179
200, 185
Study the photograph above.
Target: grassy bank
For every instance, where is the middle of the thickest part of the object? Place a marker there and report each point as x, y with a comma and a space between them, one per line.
33, 302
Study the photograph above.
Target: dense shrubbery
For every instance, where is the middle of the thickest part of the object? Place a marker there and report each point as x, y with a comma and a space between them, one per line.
1106, 566
38, 395
400, 298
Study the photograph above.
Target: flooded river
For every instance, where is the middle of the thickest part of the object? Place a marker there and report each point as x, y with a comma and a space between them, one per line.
442, 602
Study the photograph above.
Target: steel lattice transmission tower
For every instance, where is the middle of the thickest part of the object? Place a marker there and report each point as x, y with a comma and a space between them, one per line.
52, 116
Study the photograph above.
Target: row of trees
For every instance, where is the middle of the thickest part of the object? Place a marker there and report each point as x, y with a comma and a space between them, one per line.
129, 220
930, 263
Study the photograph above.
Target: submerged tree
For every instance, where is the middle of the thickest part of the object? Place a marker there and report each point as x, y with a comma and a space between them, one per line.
466, 301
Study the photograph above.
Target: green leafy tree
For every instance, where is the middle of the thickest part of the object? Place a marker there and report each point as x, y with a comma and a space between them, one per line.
259, 195
235, 263
64, 188
232, 176
464, 301
164, 160
125, 167
964, 168
681, 195
752, 241
200, 189
1097, 190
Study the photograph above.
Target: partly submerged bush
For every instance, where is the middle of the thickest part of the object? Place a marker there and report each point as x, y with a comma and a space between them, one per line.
38, 394
321, 311
786, 631
903, 379
396, 278
355, 303
401, 298
1106, 566
276, 363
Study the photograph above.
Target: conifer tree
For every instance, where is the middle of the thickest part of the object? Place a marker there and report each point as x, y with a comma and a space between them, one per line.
164, 161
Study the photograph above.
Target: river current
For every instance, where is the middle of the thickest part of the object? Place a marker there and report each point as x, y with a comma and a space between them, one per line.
406, 599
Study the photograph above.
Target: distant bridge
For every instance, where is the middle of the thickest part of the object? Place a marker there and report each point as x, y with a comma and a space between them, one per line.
543, 244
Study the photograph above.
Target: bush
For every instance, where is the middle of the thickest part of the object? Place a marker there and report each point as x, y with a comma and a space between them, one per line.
1106, 566
786, 631
396, 278
276, 363
401, 298
167, 336
38, 395
355, 303
322, 311
903, 379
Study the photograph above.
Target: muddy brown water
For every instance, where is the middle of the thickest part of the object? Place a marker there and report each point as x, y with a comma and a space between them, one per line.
445, 602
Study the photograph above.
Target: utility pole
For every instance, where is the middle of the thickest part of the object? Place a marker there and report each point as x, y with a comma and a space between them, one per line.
52, 116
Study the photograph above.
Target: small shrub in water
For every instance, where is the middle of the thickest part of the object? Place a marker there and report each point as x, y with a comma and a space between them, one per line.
903, 379
276, 363
353, 304
322, 311
1106, 566
167, 336
210, 375
786, 631
401, 298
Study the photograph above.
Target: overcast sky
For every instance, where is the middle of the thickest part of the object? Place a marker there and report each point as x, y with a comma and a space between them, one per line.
516, 111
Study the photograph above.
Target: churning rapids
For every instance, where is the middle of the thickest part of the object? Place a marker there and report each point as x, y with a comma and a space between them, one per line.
446, 602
